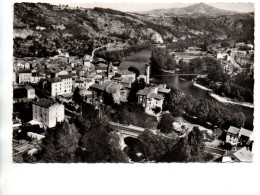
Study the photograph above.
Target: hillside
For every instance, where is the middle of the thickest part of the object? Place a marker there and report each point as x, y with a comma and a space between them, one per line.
41, 29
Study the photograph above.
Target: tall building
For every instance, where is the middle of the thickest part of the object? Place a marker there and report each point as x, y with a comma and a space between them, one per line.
48, 112
147, 71
59, 86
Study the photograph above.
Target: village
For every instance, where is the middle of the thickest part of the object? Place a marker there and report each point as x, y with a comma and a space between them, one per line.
49, 86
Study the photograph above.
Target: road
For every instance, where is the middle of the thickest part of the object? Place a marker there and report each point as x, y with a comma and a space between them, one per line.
215, 150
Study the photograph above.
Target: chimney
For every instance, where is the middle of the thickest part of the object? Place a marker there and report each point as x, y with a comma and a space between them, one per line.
147, 71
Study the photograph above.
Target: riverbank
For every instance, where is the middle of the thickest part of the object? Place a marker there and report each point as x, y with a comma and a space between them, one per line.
230, 101
223, 99
200, 86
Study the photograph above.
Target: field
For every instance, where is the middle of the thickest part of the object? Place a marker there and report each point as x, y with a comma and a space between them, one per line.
139, 59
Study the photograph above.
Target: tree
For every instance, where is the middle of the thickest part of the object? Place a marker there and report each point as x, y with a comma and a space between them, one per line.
155, 146
60, 144
166, 123
179, 153
99, 145
197, 145
238, 119
77, 97
135, 70
108, 99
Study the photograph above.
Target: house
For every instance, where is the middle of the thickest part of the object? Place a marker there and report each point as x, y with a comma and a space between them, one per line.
243, 155
232, 135
118, 92
241, 136
24, 76
246, 136
30, 92
36, 77
150, 99
87, 95
79, 84
126, 82
62, 72
99, 88
125, 74
59, 86
48, 112
87, 61
27, 65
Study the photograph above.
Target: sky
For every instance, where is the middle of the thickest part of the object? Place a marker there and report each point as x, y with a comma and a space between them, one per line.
135, 7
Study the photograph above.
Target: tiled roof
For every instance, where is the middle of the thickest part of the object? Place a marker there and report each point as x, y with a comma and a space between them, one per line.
144, 91
127, 80
164, 90
113, 87
244, 155
65, 76
155, 96
233, 130
100, 87
245, 132
44, 103
25, 71
54, 80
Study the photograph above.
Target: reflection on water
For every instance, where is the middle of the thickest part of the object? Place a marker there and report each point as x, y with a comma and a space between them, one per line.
188, 88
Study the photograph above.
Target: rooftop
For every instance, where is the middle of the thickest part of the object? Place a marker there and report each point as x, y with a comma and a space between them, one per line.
44, 103
25, 71
144, 91
155, 96
65, 76
100, 87
245, 132
164, 90
125, 72
233, 130
113, 87
244, 155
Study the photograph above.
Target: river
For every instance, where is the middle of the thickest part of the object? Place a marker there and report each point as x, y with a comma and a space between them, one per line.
188, 88
140, 58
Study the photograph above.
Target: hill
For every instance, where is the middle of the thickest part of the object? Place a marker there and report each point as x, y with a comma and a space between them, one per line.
192, 10
42, 29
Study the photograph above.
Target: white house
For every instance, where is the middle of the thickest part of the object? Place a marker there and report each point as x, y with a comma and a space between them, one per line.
60, 85
48, 112
36, 77
25, 76
242, 136
232, 135
150, 99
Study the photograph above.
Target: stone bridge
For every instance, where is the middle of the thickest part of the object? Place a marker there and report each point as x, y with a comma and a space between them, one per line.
127, 130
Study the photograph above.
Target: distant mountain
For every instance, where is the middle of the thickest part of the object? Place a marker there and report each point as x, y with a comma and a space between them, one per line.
196, 9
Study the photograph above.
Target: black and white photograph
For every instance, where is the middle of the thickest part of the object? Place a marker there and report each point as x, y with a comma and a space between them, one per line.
122, 83
129, 97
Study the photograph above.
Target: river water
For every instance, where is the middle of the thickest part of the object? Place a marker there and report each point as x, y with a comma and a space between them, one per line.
140, 58
188, 88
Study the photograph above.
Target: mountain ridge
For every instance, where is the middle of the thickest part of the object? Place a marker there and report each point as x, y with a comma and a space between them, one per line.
195, 9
